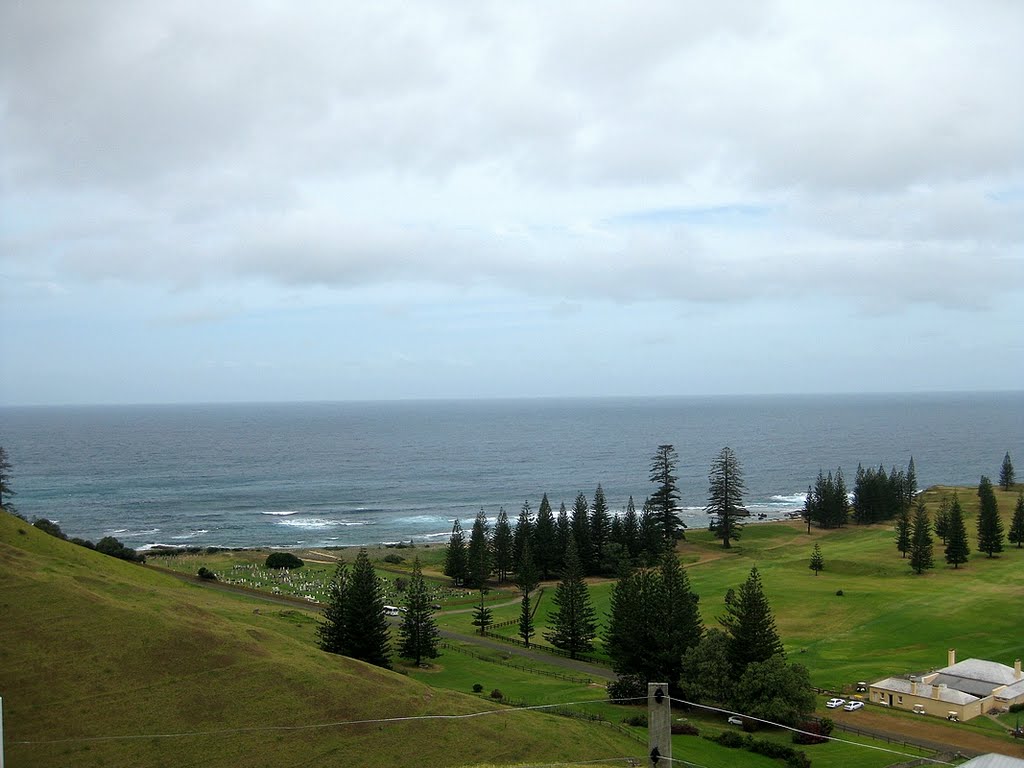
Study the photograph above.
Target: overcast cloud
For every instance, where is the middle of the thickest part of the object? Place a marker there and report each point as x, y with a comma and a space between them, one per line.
238, 201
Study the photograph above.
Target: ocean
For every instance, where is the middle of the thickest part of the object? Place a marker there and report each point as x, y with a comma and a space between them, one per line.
350, 473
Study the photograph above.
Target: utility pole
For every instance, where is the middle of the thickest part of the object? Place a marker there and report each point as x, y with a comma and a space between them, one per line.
659, 726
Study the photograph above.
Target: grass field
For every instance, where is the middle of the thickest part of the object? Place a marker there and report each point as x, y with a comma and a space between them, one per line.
102, 662
90, 645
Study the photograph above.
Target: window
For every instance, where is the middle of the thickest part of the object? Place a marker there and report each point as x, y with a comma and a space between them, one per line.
900, 698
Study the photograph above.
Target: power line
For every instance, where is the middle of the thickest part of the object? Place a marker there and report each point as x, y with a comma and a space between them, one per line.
315, 726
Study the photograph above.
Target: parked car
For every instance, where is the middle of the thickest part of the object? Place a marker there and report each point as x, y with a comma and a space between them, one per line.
853, 705
833, 703
735, 720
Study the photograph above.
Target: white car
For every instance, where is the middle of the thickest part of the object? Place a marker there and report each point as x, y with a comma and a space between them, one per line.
735, 721
833, 703
853, 705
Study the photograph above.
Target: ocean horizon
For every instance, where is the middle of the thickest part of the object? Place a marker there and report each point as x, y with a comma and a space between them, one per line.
369, 472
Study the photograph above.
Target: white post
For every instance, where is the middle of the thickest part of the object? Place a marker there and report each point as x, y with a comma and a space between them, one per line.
659, 726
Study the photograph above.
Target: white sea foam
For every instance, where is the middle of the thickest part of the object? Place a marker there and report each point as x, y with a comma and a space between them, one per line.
126, 534
281, 513
795, 498
318, 523
156, 545
190, 534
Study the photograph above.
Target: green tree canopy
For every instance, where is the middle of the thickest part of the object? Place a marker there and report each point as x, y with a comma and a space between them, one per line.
354, 623
455, 560
418, 633
5, 479
707, 670
478, 554
665, 499
990, 527
750, 625
725, 496
1017, 524
573, 625
776, 691
817, 561
921, 558
957, 548
545, 540
501, 546
1006, 474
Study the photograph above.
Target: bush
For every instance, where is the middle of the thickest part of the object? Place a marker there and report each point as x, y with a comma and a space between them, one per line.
496, 694
839, 593
50, 527
401, 584
1017, 707
627, 687
640, 721
477, 688
206, 573
83, 543
108, 545
394, 559
282, 560
684, 729
731, 739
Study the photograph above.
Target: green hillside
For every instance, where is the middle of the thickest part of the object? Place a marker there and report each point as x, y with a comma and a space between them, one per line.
93, 648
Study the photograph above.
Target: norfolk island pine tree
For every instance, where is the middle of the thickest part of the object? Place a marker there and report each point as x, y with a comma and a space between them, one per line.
574, 623
418, 633
957, 548
725, 496
1017, 524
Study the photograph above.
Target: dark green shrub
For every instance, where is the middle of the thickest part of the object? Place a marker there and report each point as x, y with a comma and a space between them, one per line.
394, 559
627, 687
206, 573
640, 721
477, 688
83, 543
731, 739
839, 593
684, 729
1017, 707
282, 560
496, 694
47, 526
108, 545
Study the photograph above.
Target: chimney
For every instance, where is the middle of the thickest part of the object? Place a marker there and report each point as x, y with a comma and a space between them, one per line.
951, 657
913, 686
1016, 670
935, 691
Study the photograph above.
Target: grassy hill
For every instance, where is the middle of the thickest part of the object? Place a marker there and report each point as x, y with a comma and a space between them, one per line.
107, 663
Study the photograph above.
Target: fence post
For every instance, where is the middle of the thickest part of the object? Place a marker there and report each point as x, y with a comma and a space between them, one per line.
659, 725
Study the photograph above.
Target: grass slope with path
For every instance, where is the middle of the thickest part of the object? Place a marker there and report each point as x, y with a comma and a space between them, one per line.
94, 649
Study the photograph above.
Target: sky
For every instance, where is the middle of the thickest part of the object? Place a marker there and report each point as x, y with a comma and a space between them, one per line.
271, 201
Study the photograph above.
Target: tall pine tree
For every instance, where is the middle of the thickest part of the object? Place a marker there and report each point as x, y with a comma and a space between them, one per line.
750, 625
369, 638
903, 532
725, 496
522, 532
957, 548
526, 580
1006, 473
574, 624
665, 499
333, 630
990, 527
478, 555
1017, 524
501, 546
817, 561
418, 633
921, 558
600, 530
581, 533
455, 555
545, 539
